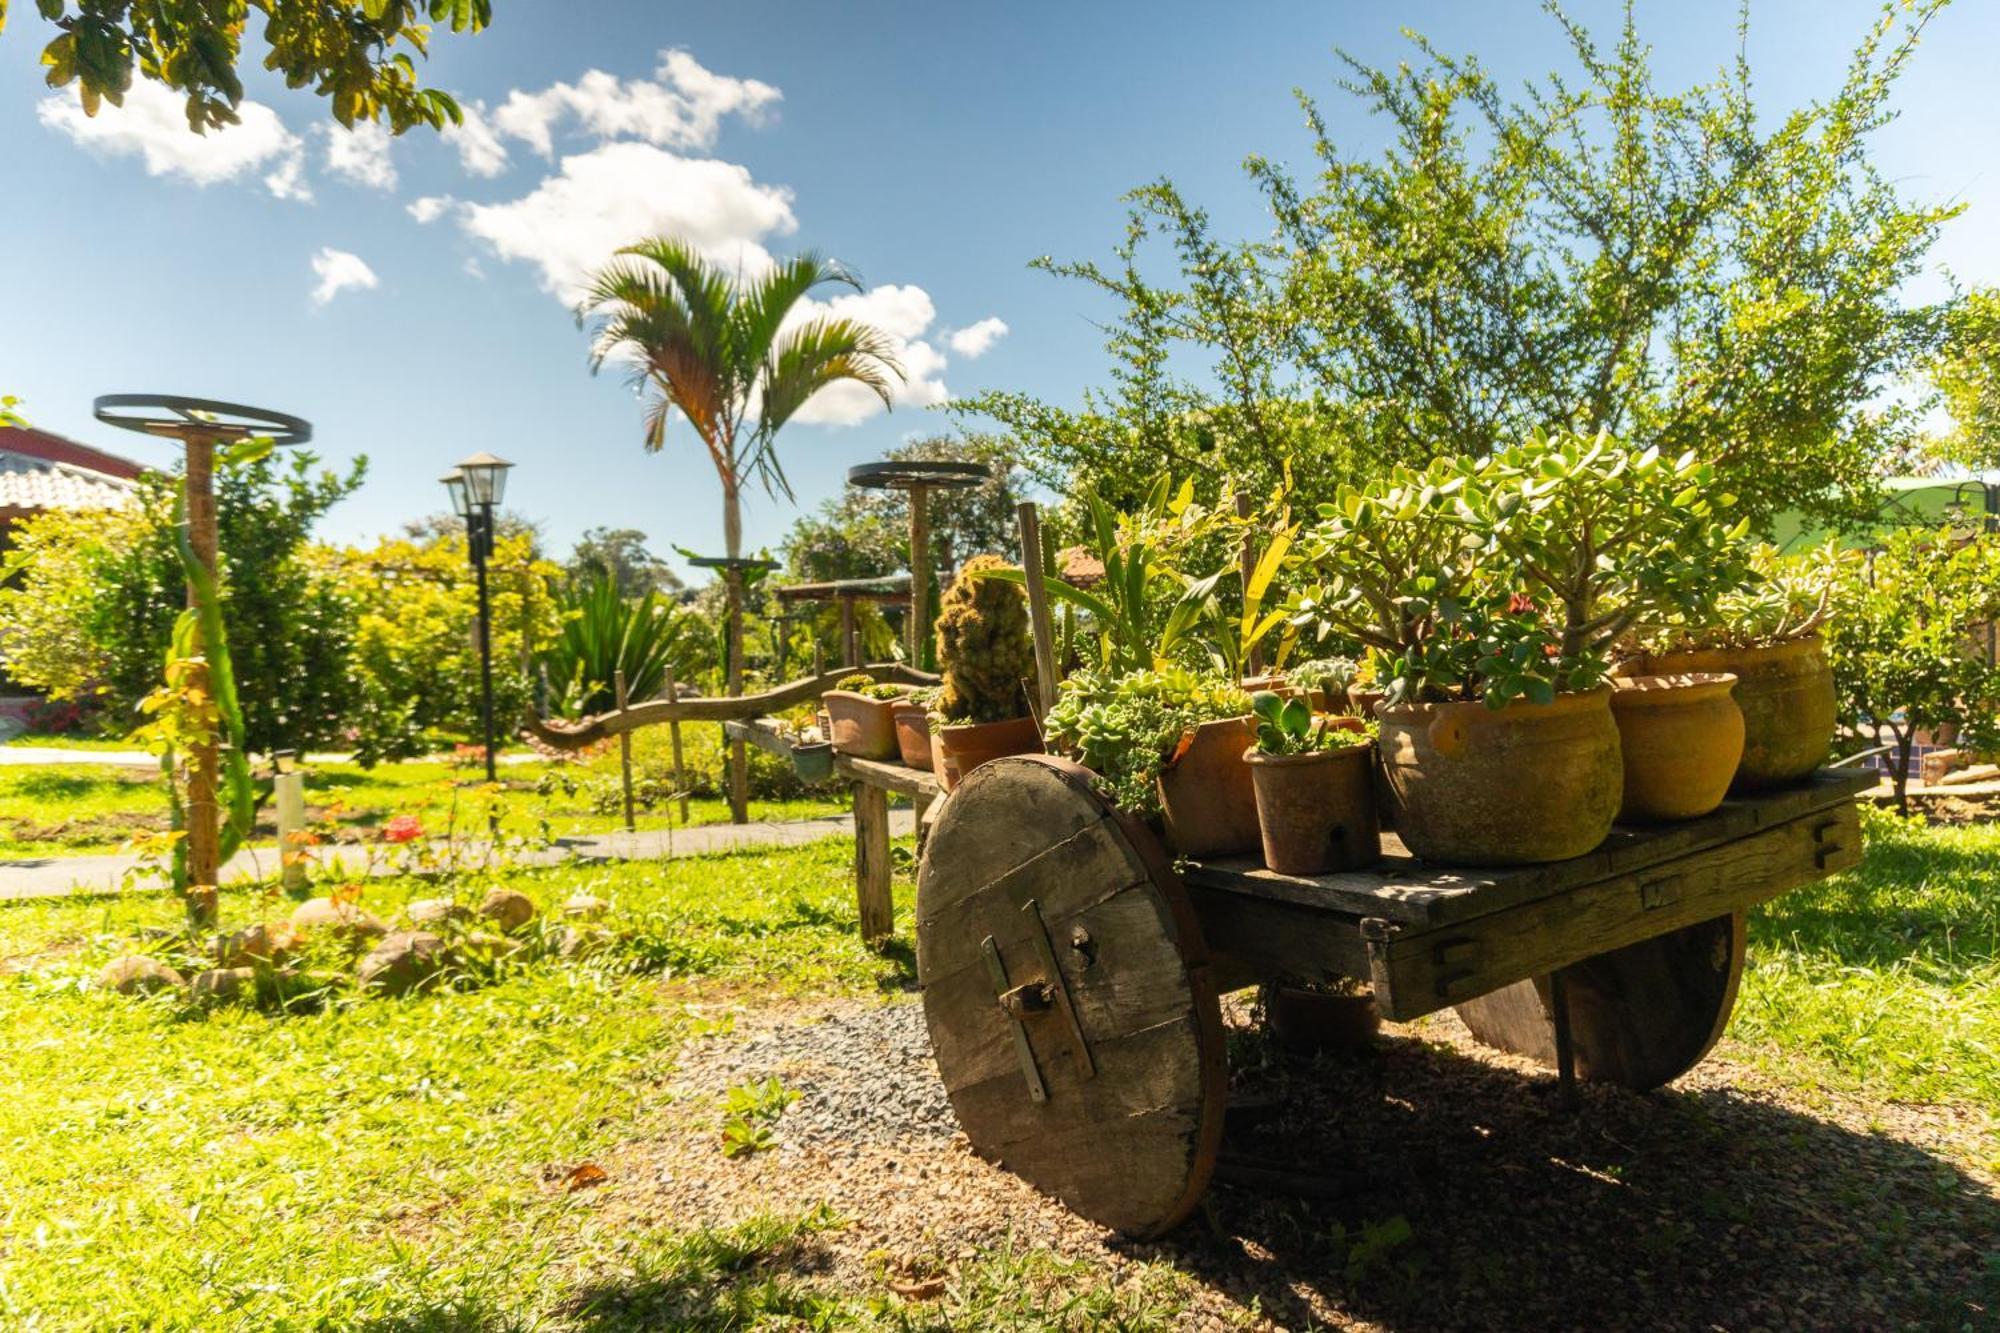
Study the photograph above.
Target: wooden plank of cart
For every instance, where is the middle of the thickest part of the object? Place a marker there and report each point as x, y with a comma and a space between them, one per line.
1071, 975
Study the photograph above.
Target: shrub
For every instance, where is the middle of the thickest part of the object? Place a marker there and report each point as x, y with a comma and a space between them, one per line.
1129, 728
983, 646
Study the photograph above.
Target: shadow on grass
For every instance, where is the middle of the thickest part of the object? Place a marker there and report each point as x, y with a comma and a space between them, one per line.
749, 1275
1466, 1199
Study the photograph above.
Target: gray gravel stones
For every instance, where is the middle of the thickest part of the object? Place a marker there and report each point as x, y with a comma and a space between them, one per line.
864, 1077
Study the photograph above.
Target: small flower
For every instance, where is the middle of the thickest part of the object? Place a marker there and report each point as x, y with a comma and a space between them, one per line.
403, 828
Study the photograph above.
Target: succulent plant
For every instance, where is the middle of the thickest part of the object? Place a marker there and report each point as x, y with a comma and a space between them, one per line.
983, 647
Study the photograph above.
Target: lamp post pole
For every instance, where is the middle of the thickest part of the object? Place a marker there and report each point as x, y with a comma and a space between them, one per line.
476, 486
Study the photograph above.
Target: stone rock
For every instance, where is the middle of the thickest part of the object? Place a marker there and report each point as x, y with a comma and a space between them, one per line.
436, 912
581, 941
260, 945
138, 975
584, 907
219, 985
340, 918
507, 909
403, 961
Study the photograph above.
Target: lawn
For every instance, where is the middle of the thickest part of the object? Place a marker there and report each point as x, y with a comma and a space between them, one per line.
74, 809
406, 1164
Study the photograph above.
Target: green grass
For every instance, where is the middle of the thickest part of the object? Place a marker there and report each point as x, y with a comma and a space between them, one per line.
75, 809
394, 1164
1887, 979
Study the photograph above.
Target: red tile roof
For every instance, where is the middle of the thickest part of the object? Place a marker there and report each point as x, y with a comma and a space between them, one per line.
33, 443
42, 471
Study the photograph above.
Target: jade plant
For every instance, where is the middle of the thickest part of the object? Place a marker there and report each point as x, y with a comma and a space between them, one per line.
1785, 598
1129, 728
1288, 726
1511, 577
983, 648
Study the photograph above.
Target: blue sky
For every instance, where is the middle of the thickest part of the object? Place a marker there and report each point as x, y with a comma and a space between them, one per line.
934, 148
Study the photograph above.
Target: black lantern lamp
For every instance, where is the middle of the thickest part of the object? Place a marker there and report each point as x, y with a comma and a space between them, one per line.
475, 487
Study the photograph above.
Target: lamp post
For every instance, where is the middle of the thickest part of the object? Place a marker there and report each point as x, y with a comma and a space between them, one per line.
476, 486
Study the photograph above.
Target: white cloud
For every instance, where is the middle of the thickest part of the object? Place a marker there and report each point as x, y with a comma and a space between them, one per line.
429, 208
361, 155
613, 195
904, 313
973, 340
152, 126
684, 109
338, 270
480, 151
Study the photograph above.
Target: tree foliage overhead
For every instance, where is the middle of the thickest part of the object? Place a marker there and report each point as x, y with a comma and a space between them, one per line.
355, 53
1967, 374
621, 553
1595, 252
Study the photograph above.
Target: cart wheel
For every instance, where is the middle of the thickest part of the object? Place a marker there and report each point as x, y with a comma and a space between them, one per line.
1068, 995
1640, 1016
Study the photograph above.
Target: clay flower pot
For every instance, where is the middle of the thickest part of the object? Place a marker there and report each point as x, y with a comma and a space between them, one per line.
913, 734
964, 746
1682, 738
1316, 811
1479, 786
1206, 797
1311, 1022
1786, 694
861, 726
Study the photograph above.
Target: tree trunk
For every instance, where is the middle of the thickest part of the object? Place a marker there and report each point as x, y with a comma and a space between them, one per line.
732, 539
1905, 741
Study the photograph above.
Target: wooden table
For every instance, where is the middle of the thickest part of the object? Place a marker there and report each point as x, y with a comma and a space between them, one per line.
872, 781
1071, 975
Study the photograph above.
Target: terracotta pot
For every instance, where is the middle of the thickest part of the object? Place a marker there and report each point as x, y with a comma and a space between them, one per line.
862, 727
1270, 680
913, 734
1310, 1022
1316, 811
1207, 802
1365, 701
1682, 737
960, 748
1786, 694
1479, 786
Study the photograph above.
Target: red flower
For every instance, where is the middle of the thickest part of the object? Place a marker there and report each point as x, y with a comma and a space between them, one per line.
1518, 603
403, 828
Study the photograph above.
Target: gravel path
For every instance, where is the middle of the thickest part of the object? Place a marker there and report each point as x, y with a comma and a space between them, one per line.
1465, 1199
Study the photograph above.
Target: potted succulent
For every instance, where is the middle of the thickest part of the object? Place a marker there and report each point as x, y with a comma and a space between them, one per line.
861, 714
1330, 684
1765, 633
1314, 779
912, 715
987, 659
1158, 740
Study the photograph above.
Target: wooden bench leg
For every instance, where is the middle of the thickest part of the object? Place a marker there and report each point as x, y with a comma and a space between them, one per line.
871, 862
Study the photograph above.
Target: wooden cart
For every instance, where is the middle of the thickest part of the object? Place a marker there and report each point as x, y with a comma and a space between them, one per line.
1070, 975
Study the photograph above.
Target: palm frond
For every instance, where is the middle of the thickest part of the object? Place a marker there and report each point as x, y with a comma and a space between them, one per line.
811, 357
761, 309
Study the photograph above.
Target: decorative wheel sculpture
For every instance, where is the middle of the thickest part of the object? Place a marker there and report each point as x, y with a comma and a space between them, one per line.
172, 416
919, 478
1068, 995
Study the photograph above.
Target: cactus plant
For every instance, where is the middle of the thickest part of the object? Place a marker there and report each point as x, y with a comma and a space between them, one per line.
983, 647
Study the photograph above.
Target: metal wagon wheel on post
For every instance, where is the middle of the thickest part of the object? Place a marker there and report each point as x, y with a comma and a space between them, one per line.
199, 425
918, 479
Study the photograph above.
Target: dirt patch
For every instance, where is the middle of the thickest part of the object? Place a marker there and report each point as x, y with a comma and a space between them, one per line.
1451, 1191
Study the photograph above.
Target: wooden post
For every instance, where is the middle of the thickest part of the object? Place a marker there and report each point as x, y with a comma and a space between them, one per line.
289, 789
674, 731
204, 815
624, 748
1029, 520
1253, 662
850, 653
920, 562
872, 895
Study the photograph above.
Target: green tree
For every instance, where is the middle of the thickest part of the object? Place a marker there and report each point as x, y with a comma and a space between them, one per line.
90, 606
1906, 642
1596, 252
354, 53
720, 351
621, 553
1967, 374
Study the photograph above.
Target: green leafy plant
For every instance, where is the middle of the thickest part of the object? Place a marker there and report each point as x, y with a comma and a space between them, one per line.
1129, 728
983, 645
1288, 726
1786, 597
1904, 652
603, 633
749, 1113
1334, 677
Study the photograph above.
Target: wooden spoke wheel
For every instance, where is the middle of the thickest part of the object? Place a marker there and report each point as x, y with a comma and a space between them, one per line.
1068, 995
1640, 1016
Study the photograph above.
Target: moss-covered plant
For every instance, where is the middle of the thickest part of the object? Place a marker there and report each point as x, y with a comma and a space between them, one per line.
1130, 728
870, 688
983, 646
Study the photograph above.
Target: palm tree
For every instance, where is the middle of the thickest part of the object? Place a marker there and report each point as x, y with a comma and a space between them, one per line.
717, 348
